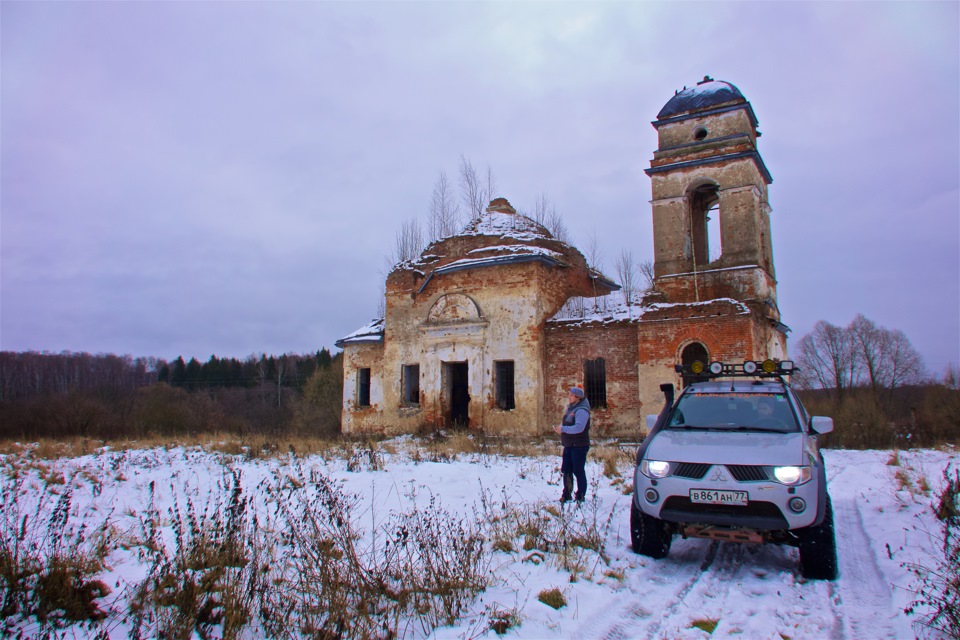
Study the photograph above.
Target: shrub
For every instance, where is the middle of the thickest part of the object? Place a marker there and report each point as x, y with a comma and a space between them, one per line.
48, 567
335, 580
209, 578
938, 597
502, 620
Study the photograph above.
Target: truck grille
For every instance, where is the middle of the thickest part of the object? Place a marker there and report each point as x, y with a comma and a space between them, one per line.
747, 473
692, 470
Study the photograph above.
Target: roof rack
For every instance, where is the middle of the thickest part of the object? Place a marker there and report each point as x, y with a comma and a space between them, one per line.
750, 368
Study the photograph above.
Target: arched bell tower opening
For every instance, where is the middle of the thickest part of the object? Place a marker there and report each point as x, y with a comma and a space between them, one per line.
706, 241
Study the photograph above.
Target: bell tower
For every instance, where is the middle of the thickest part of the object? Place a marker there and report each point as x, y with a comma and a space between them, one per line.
711, 219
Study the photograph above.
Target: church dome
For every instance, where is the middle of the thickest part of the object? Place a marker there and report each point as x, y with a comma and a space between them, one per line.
706, 94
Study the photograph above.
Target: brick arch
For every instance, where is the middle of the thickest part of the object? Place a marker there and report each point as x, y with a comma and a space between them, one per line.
686, 348
700, 181
687, 340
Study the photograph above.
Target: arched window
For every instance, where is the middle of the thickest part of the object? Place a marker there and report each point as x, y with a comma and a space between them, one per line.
705, 224
693, 352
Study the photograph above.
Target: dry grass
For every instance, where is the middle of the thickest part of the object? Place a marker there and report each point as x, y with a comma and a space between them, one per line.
213, 570
705, 624
553, 598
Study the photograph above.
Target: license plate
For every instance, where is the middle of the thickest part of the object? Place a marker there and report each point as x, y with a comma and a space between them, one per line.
712, 496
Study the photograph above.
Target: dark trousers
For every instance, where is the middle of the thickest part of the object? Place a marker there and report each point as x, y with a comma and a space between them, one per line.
572, 466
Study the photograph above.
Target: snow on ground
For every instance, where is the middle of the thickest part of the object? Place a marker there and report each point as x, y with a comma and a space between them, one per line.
883, 514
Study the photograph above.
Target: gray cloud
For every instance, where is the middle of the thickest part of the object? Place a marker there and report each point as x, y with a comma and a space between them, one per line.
199, 178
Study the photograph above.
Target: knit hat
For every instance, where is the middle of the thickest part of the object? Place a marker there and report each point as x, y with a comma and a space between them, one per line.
577, 391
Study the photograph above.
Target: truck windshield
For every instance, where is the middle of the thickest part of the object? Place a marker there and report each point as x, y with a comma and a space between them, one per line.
734, 411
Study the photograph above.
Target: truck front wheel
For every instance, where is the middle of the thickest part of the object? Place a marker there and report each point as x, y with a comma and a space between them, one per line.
818, 548
648, 535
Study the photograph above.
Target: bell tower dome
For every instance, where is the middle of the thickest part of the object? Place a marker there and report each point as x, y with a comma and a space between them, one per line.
711, 219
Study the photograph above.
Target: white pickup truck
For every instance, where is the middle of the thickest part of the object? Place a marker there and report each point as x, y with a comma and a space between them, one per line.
735, 458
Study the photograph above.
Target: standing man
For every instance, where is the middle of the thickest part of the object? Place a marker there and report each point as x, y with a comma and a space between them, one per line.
575, 438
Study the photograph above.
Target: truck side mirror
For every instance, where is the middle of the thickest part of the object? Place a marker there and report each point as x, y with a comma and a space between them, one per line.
821, 424
651, 421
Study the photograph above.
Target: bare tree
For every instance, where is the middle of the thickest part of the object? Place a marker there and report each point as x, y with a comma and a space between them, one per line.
647, 274
491, 188
626, 272
862, 353
902, 364
951, 377
866, 342
471, 190
885, 357
444, 210
556, 226
540, 209
825, 359
593, 254
408, 242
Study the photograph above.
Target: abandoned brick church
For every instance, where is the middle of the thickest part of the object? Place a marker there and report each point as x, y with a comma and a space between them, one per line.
480, 332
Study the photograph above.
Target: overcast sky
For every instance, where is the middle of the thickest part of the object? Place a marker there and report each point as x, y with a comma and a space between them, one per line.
197, 178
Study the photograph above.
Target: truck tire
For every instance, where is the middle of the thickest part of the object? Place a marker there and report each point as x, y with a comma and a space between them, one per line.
648, 535
818, 548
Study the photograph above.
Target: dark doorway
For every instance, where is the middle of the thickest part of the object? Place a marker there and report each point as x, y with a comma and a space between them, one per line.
694, 352
458, 395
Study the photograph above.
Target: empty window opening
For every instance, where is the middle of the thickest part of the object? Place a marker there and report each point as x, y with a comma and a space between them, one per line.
595, 382
705, 224
504, 384
411, 383
700, 133
363, 387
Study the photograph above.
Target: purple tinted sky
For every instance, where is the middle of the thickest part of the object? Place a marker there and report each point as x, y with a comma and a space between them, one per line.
198, 178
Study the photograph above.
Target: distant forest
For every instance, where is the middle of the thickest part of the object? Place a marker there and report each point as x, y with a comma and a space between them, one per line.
107, 396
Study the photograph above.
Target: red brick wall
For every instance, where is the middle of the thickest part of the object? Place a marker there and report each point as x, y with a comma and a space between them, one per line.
568, 345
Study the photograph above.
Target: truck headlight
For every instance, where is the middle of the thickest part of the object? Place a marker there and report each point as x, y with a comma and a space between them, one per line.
792, 476
655, 468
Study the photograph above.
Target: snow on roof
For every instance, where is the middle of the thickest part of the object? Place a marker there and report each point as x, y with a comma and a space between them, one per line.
613, 308
705, 94
370, 332
519, 248
512, 225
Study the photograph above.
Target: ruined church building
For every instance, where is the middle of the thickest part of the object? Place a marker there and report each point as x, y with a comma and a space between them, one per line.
476, 333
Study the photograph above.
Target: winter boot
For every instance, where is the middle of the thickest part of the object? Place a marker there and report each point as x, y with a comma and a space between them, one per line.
567, 487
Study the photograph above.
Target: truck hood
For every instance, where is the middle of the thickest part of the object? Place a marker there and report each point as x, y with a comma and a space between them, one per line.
728, 447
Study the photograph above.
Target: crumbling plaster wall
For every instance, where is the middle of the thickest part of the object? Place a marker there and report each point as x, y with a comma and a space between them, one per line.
513, 302
680, 136
356, 419
744, 216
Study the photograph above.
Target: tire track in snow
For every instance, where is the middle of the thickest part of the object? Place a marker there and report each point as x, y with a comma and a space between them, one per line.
726, 561
637, 618
862, 598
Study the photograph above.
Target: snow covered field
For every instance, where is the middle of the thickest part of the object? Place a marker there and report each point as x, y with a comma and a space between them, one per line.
882, 503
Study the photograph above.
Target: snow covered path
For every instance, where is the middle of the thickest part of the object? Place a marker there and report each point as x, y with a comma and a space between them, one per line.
703, 589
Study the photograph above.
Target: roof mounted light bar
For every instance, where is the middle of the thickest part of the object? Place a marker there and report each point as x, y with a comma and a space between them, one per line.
753, 368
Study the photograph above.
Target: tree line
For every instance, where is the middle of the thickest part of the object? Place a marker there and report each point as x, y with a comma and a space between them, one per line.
105, 396
874, 384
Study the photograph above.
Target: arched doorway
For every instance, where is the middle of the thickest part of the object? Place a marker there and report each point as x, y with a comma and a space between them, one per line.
693, 352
